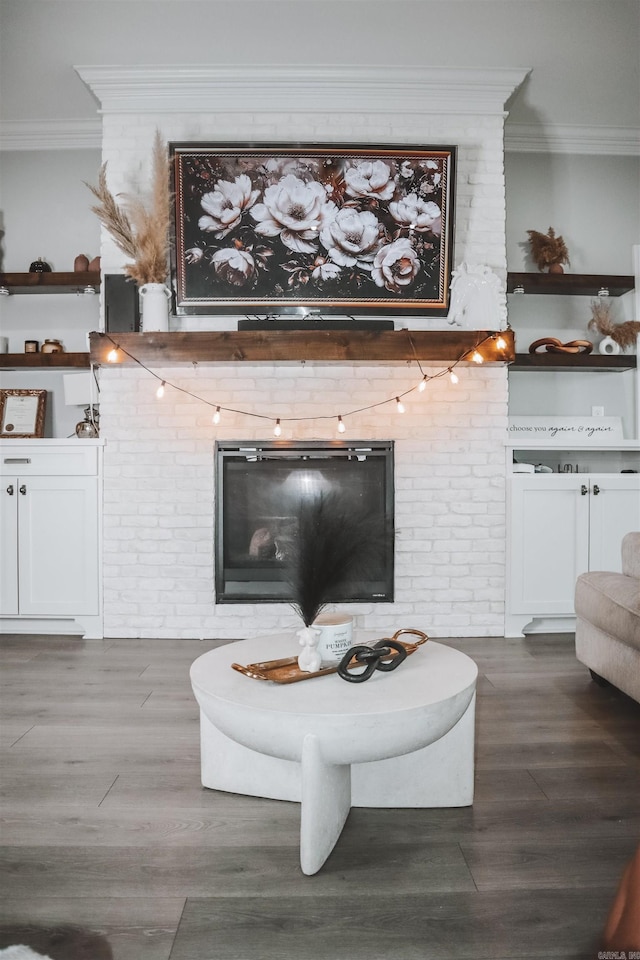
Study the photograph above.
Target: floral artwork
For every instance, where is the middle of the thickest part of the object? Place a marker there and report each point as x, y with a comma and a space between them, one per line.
270, 230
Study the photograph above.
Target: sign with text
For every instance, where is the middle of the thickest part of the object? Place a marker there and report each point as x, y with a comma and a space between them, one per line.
562, 430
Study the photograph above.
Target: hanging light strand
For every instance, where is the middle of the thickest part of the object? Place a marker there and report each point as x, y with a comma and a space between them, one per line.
419, 387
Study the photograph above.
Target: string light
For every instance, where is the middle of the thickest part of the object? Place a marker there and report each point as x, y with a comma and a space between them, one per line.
475, 356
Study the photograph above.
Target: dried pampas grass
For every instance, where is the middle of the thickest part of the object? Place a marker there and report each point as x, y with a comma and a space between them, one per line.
547, 250
624, 334
335, 545
140, 226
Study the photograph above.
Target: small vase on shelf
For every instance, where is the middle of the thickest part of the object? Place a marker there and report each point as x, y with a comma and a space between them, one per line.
608, 347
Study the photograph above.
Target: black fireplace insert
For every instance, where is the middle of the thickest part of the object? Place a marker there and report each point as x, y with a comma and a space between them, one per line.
261, 488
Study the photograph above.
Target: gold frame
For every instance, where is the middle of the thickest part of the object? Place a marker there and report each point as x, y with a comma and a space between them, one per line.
31, 420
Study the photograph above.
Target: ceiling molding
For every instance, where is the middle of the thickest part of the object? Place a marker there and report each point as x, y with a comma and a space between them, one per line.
51, 134
300, 88
571, 138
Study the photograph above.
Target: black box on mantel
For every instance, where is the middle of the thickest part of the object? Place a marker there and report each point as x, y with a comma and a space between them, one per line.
121, 304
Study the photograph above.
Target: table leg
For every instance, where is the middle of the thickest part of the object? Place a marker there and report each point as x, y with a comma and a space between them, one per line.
326, 801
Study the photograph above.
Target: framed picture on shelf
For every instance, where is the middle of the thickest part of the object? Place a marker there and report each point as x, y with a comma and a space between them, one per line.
22, 413
289, 230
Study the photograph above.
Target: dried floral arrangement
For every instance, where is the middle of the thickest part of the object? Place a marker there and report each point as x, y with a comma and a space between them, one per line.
139, 226
548, 250
334, 545
624, 334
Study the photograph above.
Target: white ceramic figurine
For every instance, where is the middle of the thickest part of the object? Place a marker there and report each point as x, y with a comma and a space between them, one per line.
309, 660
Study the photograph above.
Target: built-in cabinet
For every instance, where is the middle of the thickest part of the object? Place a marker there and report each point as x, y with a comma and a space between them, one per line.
50, 537
561, 524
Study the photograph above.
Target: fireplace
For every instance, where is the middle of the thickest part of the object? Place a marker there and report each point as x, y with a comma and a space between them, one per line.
261, 488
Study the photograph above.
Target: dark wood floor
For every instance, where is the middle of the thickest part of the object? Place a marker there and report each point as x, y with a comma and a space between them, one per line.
113, 851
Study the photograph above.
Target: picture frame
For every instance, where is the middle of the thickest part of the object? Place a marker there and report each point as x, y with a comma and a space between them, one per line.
22, 413
301, 230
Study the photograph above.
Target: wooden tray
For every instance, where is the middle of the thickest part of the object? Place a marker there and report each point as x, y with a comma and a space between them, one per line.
288, 671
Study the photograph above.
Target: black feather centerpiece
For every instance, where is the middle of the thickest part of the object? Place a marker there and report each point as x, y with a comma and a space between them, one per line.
335, 544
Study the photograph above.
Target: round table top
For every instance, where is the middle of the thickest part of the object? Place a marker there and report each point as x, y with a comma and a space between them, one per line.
432, 674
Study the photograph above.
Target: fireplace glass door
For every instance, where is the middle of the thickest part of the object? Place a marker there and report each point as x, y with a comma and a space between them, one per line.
265, 489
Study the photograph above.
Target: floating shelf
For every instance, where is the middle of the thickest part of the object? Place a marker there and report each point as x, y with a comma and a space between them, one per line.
570, 284
441, 346
19, 283
22, 360
577, 361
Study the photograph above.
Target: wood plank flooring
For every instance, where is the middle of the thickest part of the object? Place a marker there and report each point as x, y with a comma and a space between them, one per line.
112, 850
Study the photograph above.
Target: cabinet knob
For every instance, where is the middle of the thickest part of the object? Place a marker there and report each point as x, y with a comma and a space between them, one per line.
23, 489
10, 489
596, 489
584, 489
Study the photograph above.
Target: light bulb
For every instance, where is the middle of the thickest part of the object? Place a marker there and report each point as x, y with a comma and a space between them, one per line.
277, 430
423, 384
341, 426
477, 357
399, 405
453, 376
216, 417
501, 343
160, 391
112, 356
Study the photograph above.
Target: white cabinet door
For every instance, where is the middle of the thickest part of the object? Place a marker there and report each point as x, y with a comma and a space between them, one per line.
561, 526
549, 543
58, 546
9, 547
614, 504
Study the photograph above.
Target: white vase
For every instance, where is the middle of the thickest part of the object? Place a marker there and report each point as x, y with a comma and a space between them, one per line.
609, 347
154, 307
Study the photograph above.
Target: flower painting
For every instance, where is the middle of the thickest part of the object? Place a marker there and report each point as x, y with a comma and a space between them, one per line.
336, 230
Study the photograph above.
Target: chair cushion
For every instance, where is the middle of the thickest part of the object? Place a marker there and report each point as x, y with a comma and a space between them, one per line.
611, 602
631, 554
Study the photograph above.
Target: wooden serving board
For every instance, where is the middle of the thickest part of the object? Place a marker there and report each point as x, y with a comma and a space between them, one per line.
288, 671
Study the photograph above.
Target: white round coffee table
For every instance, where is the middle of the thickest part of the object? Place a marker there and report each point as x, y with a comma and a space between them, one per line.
401, 739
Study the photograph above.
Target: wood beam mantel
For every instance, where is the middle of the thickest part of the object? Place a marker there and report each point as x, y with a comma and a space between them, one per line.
251, 346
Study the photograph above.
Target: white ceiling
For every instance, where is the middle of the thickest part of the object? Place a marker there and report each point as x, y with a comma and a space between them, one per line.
584, 55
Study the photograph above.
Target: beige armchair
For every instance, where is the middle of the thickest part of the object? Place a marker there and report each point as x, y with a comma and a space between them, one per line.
608, 621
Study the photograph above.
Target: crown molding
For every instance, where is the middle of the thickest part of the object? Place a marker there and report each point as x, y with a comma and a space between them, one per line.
234, 89
51, 134
571, 138
300, 88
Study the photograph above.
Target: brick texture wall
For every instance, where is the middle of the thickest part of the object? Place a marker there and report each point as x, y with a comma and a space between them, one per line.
450, 490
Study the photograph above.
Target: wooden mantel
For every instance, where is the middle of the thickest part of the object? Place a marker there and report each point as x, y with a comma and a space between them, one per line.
351, 346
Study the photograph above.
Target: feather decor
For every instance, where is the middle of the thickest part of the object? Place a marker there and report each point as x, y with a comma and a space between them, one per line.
624, 334
333, 546
547, 250
139, 226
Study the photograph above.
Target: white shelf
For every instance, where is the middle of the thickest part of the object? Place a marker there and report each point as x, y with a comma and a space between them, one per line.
601, 447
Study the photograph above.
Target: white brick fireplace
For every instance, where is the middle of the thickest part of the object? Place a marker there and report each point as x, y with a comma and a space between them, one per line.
449, 444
